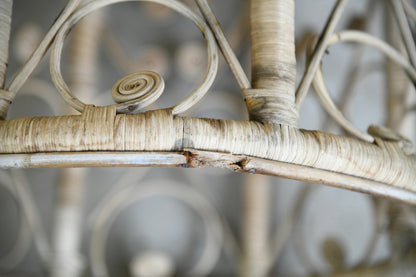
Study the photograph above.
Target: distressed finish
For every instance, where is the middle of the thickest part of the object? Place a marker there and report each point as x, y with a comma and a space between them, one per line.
270, 134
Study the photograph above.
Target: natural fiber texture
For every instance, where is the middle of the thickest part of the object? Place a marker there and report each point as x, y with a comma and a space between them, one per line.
6, 99
20, 78
319, 51
137, 98
223, 44
271, 105
273, 62
397, 84
272, 132
99, 128
405, 30
5, 23
255, 226
84, 53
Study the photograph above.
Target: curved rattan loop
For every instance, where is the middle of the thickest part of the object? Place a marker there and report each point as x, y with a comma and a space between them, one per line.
133, 194
133, 105
23, 237
322, 92
26, 70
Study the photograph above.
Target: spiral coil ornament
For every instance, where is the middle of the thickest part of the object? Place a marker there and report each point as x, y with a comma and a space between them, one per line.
137, 90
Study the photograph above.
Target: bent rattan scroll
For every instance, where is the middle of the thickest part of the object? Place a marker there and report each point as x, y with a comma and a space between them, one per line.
270, 142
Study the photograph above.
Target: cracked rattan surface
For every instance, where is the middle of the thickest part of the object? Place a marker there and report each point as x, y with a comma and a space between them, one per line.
101, 129
271, 133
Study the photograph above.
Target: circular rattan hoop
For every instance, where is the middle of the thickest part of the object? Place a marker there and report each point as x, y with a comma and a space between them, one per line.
132, 106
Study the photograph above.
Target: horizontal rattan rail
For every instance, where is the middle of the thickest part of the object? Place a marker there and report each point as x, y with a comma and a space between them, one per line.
104, 136
101, 129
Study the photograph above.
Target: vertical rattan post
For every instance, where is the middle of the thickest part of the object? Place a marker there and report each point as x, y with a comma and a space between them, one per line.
273, 62
255, 226
271, 99
68, 213
398, 85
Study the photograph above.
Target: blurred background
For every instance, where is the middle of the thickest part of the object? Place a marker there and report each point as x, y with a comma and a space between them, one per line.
197, 222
